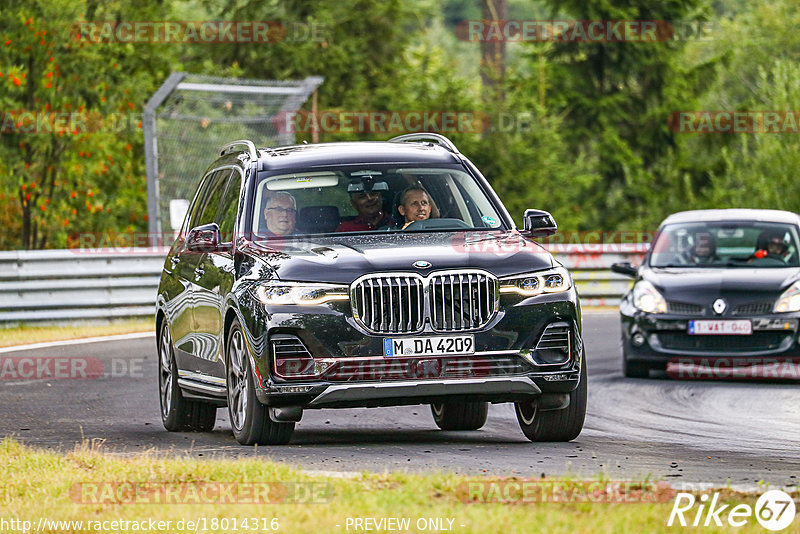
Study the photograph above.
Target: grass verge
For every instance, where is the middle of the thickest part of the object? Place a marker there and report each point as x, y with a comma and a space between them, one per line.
30, 333
97, 489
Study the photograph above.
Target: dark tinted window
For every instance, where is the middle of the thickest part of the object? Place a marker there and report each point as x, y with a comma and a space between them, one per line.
197, 200
230, 204
208, 206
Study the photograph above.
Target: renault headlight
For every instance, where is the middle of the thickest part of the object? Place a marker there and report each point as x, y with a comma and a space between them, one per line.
555, 280
789, 300
298, 293
647, 298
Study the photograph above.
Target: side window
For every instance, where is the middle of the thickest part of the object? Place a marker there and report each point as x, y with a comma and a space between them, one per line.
230, 205
209, 205
197, 201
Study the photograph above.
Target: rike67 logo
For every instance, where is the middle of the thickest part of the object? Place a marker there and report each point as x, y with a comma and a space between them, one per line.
774, 510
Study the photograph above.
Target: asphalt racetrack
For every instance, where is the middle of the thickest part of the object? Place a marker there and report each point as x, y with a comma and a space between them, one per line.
684, 431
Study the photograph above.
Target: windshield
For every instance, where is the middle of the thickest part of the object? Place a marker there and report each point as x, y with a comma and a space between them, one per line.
370, 199
726, 244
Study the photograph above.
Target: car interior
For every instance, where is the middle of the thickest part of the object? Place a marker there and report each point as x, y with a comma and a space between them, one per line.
725, 245
323, 198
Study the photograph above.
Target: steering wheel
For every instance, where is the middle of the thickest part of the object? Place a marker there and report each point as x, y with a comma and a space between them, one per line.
769, 259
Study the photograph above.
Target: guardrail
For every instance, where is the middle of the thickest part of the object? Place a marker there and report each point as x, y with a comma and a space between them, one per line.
591, 268
69, 285
64, 285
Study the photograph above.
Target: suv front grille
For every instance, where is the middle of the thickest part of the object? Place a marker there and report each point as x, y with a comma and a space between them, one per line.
462, 301
724, 343
400, 303
389, 304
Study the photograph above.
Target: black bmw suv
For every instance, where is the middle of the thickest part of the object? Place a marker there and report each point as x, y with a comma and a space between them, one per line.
360, 275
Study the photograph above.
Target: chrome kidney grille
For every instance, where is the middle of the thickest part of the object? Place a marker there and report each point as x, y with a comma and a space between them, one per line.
401, 303
389, 304
462, 301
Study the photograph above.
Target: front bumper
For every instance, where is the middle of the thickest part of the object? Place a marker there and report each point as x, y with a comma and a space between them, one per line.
661, 338
404, 392
504, 368
410, 392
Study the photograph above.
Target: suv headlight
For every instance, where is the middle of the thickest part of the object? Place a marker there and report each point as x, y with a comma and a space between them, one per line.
647, 298
789, 301
298, 293
555, 280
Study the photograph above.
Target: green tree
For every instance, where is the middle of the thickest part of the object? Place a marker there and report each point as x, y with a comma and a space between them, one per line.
616, 97
757, 70
358, 46
71, 145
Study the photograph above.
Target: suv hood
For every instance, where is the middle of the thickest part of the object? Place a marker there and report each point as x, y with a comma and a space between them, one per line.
342, 259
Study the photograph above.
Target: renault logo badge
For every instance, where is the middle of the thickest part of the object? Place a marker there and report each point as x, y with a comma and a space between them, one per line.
719, 306
421, 264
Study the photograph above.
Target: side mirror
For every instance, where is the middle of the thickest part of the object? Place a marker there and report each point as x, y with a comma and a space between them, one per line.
539, 223
625, 268
204, 238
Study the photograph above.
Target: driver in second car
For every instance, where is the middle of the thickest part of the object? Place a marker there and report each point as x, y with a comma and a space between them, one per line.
414, 205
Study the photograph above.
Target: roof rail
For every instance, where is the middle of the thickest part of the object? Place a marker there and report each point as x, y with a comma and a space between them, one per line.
439, 139
251, 148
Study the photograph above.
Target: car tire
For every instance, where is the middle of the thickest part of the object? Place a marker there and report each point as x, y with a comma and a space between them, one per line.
249, 418
178, 413
460, 415
555, 425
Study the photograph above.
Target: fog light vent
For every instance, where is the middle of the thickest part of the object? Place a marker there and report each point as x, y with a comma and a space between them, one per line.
291, 357
555, 344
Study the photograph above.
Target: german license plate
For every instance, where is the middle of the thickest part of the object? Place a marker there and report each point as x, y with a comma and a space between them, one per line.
428, 346
743, 327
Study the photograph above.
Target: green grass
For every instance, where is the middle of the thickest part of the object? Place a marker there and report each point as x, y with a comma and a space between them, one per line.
38, 484
30, 333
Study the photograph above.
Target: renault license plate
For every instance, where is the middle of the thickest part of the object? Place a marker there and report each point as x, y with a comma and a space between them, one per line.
742, 327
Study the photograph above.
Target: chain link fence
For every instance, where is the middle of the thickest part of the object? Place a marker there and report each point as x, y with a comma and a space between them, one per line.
191, 117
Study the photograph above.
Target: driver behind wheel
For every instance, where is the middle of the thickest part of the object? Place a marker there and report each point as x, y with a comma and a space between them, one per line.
414, 205
772, 244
